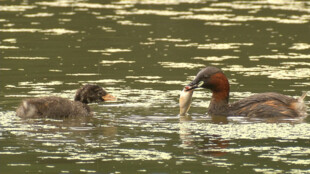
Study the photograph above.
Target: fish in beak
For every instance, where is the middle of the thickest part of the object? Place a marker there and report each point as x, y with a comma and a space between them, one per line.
185, 100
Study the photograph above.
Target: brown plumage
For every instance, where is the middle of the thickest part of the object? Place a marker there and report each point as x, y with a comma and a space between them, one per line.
259, 105
57, 107
266, 105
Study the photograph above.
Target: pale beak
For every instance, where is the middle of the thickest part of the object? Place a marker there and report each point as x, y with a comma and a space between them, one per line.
108, 97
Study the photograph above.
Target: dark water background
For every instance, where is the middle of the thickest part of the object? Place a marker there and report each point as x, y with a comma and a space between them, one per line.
144, 52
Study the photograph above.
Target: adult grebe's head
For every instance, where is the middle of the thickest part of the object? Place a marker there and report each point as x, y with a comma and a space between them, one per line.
92, 93
211, 78
214, 79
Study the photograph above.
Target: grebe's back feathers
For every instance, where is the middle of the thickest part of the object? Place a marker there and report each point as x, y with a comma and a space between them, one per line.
62, 107
52, 107
268, 105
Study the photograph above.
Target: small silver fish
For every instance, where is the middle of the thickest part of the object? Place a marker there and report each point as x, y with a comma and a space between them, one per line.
185, 101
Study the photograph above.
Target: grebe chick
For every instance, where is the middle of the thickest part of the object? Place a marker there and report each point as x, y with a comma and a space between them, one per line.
57, 107
259, 105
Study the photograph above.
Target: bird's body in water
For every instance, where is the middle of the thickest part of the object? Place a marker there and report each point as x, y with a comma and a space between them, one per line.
261, 105
57, 107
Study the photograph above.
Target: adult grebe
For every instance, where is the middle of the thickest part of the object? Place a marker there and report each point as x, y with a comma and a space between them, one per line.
259, 105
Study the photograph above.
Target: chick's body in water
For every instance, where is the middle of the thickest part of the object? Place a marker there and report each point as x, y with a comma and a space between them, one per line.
57, 107
185, 101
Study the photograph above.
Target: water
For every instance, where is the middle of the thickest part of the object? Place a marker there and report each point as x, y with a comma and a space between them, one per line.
144, 52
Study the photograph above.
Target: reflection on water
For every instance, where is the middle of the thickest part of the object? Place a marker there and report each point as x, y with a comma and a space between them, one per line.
27, 58
144, 52
103, 139
55, 31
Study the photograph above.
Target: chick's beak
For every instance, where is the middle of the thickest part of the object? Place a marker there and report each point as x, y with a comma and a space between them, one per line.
108, 97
